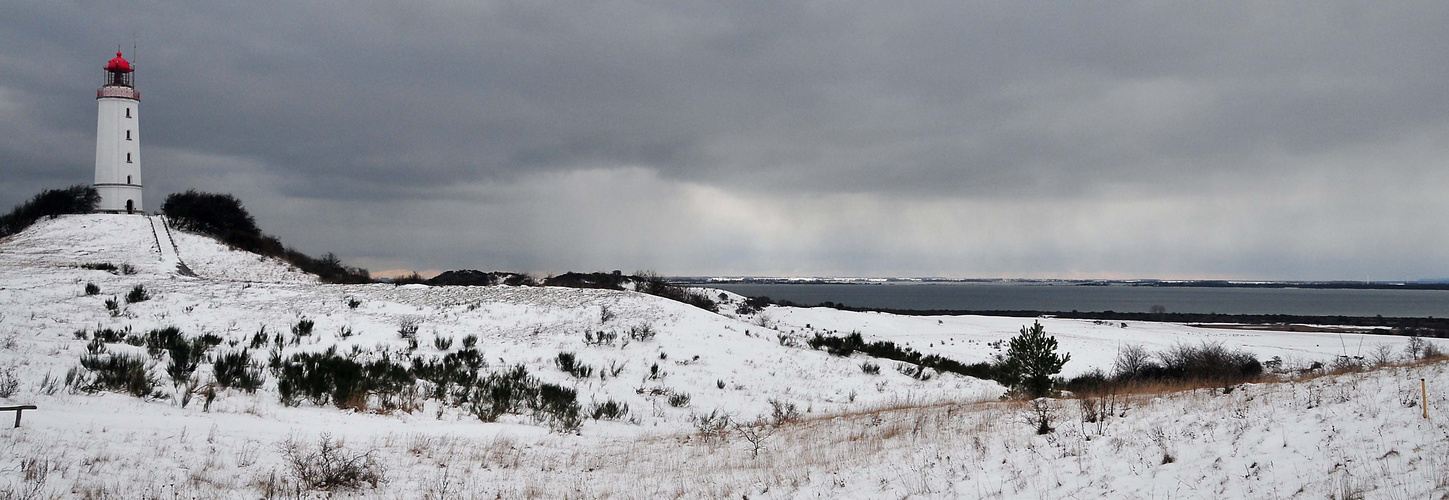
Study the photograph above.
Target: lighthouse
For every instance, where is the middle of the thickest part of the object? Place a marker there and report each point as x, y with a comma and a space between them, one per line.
118, 139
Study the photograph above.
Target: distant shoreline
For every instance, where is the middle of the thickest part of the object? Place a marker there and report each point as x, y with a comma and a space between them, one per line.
1322, 285
1427, 327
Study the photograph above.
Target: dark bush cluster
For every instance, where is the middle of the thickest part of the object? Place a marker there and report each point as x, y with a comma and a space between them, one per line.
454, 379
100, 266
345, 382
1205, 363
852, 343
452, 376
612, 281
138, 293
753, 305
609, 410
219, 215
77, 199
515, 391
303, 327
236, 369
111, 336
117, 372
222, 216
470, 277
658, 286
569, 363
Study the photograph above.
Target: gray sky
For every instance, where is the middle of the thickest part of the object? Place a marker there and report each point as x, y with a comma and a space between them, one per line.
1264, 140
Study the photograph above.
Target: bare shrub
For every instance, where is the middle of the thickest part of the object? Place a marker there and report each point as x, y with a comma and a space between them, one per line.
407, 328
329, 465
1130, 361
644, 332
1041, 413
715, 425
1431, 351
782, 412
756, 434
1382, 355
1414, 348
1346, 364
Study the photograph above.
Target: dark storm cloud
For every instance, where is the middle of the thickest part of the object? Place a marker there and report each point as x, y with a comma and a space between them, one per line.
521, 118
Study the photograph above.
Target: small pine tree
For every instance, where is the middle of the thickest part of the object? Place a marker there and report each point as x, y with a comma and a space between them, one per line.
1031, 360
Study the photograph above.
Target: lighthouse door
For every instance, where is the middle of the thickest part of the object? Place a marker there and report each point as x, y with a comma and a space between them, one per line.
130, 206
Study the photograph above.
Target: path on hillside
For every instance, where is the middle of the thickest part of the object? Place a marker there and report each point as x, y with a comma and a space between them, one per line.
166, 245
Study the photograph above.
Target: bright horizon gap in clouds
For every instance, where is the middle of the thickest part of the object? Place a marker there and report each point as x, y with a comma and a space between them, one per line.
952, 139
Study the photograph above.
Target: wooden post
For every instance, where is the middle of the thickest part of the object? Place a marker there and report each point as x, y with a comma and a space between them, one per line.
1423, 391
17, 410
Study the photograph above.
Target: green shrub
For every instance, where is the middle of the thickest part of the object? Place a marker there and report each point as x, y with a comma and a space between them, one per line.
1032, 360
92, 289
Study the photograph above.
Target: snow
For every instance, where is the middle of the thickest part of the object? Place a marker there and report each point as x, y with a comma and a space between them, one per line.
885, 435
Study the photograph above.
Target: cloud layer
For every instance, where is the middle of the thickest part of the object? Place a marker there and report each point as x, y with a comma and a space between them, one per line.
964, 139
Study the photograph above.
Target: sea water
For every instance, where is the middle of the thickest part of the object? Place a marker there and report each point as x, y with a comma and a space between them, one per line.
1120, 298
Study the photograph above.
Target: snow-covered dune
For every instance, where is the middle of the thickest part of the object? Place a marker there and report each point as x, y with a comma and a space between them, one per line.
948, 439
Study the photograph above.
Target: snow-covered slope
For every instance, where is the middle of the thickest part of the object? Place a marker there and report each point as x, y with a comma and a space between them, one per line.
115, 445
143, 242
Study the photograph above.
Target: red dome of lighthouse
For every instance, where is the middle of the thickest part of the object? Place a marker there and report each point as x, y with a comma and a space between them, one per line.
119, 64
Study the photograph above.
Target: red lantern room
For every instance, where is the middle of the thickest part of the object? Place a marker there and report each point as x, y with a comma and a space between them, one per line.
118, 72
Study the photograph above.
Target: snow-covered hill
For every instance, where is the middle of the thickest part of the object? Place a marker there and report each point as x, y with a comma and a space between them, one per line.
746, 366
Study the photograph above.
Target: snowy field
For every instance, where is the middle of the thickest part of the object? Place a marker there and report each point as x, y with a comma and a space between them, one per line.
860, 435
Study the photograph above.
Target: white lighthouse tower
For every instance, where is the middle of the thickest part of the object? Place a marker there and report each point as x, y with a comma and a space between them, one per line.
118, 139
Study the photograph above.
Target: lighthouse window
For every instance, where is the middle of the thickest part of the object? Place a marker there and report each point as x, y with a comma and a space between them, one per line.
128, 179
128, 157
128, 135
128, 112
